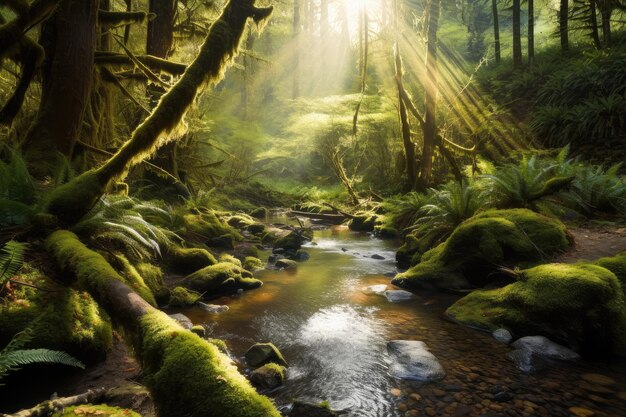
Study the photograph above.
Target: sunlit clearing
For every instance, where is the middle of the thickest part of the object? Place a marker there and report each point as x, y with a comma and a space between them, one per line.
348, 13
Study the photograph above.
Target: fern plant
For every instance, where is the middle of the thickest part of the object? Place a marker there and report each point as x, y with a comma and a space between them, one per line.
13, 356
596, 189
11, 261
18, 193
448, 208
404, 211
122, 222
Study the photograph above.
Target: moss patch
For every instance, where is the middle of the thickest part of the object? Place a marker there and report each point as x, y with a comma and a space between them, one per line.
188, 260
484, 243
207, 225
253, 264
293, 240
617, 265
581, 304
182, 297
166, 349
363, 222
230, 259
87, 410
134, 279
223, 276
153, 277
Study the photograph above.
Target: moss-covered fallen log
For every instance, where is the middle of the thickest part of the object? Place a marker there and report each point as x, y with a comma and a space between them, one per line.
186, 375
73, 200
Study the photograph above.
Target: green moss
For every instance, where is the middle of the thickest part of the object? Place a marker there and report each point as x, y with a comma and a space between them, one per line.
409, 254
482, 244
207, 225
153, 277
582, 304
257, 229
363, 222
100, 410
199, 330
259, 213
617, 265
253, 264
134, 279
175, 360
182, 297
223, 276
188, 260
71, 201
262, 353
220, 344
293, 240
269, 375
225, 257
240, 221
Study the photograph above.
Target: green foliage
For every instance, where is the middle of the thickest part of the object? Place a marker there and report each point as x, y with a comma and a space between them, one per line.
12, 357
18, 193
403, 211
11, 260
127, 224
597, 190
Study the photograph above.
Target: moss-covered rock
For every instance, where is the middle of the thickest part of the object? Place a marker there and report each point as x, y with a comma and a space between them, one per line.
206, 225
100, 410
182, 297
580, 304
253, 264
240, 221
410, 253
221, 277
257, 229
484, 243
225, 257
153, 277
259, 213
286, 264
188, 260
270, 375
199, 330
220, 344
165, 351
293, 240
363, 222
617, 265
260, 354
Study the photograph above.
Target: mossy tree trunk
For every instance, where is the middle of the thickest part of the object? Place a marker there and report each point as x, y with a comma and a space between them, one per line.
563, 23
186, 375
593, 21
71, 201
531, 31
496, 29
67, 81
606, 10
517, 34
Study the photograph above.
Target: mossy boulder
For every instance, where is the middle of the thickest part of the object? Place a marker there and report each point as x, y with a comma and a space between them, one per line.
253, 264
484, 243
363, 222
199, 330
268, 376
182, 297
188, 260
240, 221
257, 229
207, 225
225, 257
260, 354
582, 305
220, 277
410, 253
100, 410
617, 265
286, 264
259, 213
293, 240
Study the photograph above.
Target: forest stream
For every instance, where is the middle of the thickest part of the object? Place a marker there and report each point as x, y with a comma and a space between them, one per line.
334, 336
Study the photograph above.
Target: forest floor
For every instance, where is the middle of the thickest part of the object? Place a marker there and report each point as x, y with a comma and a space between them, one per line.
593, 241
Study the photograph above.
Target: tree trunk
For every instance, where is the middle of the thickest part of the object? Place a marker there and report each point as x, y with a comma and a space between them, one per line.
531, 31
517, 34
593, 16
496, 29
186, 375
71, 201
606, 11
63, 101
161, 29
296, 49
563, 22
431, 89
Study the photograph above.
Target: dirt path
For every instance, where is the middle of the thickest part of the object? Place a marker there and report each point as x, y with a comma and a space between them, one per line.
595, 241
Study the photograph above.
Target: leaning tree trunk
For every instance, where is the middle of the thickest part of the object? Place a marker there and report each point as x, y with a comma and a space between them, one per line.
68, 83
517, 34
496, 29
186, 375
430, 90
563, 22
593, 17
71, 201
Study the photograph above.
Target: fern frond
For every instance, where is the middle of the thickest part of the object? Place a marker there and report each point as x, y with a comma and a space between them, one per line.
11, 260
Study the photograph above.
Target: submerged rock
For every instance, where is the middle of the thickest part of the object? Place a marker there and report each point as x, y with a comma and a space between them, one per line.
396, 296
269, 376
375, 289
182, 320
527, 361
286, 264
377, 256
412, 360
212, 308
304, 409
502, 336
261, 353
546, 348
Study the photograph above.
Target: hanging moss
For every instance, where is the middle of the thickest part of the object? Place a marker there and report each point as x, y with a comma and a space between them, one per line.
221, 277
182, 297
580, 304
484, 243
165, 350
100, 410
188, 260
73, 200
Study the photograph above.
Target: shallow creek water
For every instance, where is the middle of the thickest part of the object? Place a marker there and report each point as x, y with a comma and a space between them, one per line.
334, 337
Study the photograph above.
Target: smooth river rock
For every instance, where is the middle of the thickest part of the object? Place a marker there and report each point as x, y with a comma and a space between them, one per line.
546, 348
502, 336
182, 320
212, 308
396, 296
411, 359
